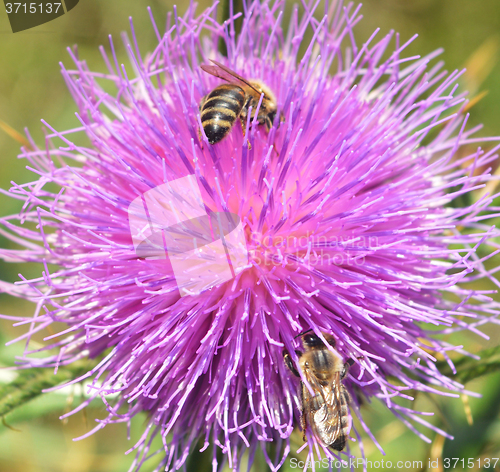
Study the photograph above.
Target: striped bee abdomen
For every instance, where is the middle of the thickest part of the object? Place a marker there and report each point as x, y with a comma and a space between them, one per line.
345, 422
220, 109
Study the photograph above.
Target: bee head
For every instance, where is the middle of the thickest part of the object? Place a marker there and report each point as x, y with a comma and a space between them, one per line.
311, 340
271, 115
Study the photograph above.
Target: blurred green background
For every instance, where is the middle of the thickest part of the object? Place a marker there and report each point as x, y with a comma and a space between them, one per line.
32, 88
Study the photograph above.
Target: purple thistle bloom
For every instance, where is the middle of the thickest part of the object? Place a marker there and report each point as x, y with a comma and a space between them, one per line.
345, 212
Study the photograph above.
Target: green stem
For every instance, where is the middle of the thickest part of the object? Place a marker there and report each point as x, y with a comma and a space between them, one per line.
469, 369
30, 384
237, 7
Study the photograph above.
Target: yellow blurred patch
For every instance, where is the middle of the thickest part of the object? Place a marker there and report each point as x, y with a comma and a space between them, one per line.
480, 64
15, 135
474, 100
467, 409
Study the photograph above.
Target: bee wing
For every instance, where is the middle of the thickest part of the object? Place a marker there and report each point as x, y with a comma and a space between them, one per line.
324, 409
223, 72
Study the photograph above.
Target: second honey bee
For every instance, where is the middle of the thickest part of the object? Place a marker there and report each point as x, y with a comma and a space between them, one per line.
232, 101
325, 412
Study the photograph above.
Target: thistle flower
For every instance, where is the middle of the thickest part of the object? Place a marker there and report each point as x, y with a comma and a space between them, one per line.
344, 210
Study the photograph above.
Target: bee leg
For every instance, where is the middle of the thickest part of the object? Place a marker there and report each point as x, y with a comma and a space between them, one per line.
289, 363
243, 127
346, 367
268, 123
303, 422
200, 137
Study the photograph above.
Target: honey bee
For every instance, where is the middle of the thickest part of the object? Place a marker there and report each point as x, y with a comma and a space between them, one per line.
227, 102
325, 412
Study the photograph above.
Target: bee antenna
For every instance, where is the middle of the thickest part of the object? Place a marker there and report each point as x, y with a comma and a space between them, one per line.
303, 332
